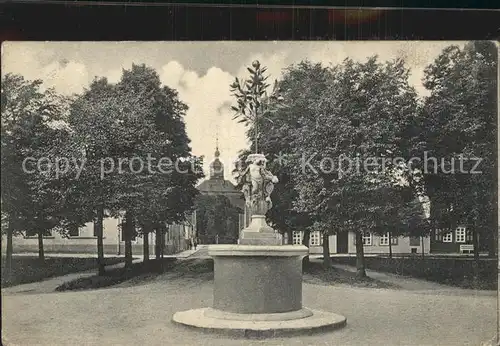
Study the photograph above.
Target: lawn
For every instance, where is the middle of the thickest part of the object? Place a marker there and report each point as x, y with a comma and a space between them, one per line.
316, 274
452, 271
203, 269
137, 274
27, 269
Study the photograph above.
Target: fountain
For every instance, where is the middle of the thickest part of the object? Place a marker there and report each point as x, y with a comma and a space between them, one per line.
258, 283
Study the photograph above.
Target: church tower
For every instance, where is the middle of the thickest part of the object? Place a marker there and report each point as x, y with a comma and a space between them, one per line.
216, 185
217, 167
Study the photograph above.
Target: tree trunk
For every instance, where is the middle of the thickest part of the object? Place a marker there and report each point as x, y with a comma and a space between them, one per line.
475, 241
41, 254
129, 228
423, 247
162, 238
158, 243
290, 237
327, 261
360, 257
98, 225
9, 251
146, 229
305, 242
390, 244
493, 244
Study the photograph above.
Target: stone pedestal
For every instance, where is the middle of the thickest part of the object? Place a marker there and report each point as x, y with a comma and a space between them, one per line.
259, 233
258, 292
257, 279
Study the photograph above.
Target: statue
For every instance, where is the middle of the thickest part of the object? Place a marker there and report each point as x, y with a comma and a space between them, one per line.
257, 184
254, 106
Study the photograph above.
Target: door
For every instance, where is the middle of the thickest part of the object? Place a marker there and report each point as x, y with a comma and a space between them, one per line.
342, 239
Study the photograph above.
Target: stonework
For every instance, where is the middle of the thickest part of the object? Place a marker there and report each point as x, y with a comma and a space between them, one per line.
258, 292
258, 184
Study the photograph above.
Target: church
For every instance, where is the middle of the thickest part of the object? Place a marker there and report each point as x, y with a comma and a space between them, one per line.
217, 185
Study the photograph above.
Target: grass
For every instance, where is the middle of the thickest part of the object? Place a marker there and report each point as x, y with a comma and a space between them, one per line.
203, 269
28, 269
137, 274
452, 271
195, 268
316, 274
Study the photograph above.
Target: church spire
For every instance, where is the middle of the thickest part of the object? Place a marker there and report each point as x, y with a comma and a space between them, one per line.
216, 167
217, 152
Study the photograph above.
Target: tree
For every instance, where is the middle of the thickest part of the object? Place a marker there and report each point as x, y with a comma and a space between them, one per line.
31, 130
253, 101
281, 115
400, 215
216, 216
164, 195
460, 117
360, 117
100, 119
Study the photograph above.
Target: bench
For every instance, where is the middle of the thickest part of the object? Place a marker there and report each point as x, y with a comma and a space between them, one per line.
466, 248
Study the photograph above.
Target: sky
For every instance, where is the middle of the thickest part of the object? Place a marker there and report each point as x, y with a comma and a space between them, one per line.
201, 72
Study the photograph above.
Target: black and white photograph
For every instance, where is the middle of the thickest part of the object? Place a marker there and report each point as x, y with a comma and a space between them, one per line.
249, 192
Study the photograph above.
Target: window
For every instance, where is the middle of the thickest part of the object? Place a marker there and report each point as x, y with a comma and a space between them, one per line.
74, 231
167, 237
460, 235
438, 235
384, 240
315, 239
469, 236
297, 237
367, 238
448, 237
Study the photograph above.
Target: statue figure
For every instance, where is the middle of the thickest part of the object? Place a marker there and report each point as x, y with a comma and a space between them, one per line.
258, 184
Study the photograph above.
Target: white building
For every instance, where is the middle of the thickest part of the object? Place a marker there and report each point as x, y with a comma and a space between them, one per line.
84, 239
345, 243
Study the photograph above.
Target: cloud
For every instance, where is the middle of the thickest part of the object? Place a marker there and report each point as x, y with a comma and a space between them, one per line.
275, 63
69, 68
114, 75
416, 54
208, 97
66, 76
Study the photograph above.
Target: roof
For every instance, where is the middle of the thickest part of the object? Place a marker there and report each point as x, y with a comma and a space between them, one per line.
217, 186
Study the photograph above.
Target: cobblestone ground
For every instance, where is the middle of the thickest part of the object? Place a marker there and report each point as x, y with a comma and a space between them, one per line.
141, 315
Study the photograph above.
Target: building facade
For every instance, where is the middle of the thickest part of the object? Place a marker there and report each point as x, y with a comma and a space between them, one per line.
345, 243
458, 240
217, 185
84, 239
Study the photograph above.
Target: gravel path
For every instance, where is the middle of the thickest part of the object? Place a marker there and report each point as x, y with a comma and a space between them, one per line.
142, 315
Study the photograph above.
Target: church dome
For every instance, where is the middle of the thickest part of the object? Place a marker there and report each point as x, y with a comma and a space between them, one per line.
216, 167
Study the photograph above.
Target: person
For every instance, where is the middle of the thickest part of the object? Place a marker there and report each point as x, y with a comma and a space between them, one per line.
195, 243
